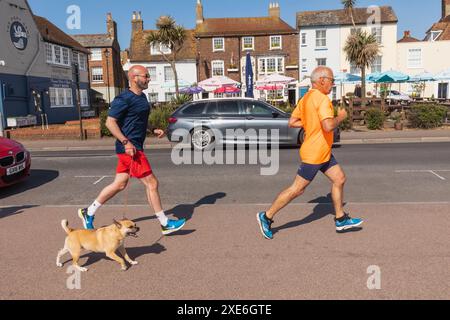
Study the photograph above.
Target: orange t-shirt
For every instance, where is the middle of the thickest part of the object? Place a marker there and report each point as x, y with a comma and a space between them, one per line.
312, 109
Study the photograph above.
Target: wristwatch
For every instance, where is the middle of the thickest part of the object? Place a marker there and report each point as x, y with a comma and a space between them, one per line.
125, 142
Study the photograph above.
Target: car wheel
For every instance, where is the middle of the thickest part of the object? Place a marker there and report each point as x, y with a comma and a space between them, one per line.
202, 139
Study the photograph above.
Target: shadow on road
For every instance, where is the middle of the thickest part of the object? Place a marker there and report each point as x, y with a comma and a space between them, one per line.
323, 208
186, 211
11, 211
36, 179
134, 253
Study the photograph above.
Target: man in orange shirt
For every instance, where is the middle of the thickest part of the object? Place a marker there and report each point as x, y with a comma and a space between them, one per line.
315, 114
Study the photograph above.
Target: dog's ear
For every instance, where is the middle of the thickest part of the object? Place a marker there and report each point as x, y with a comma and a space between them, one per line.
118, 224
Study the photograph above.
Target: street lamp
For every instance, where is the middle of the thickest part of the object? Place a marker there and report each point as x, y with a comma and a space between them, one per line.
107, 54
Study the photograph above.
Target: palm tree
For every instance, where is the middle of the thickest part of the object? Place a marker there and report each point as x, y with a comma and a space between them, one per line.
171, 36
349, 5
361, 50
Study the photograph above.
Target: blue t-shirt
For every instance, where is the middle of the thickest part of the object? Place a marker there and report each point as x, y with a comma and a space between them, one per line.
131, 112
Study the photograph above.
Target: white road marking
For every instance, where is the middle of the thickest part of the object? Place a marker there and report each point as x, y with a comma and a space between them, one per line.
424, 171
95, 177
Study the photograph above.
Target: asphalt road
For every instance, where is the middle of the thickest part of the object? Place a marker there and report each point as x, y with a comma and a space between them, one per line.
401, 191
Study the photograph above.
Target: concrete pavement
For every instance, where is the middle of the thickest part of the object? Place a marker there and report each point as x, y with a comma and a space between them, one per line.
358, 136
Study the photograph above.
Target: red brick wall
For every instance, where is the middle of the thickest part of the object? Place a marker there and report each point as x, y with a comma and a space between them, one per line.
233, 47
112, 68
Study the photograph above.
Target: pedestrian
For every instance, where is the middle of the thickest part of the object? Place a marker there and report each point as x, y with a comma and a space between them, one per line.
128, 122
315, 113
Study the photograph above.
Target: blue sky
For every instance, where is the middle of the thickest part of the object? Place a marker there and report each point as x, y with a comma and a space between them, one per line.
414, 15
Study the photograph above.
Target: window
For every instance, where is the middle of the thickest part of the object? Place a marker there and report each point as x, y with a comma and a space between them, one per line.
248, 43
195, 109
414, 58
96, 54
227, 107
271, 65
321, 62
275, 94
152, 73
169, 96
377, 64
168, 74
84, 101
378, 33
303, 39
321, 38
97, 74
304, 65
275, 42
61, 97
158, 48
80, 59
257, 109
218, 44
434, 35
57, 55
218, 68
49, 52
65, 56
153, 97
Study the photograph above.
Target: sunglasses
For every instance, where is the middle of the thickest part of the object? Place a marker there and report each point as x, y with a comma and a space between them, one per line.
147, 76
333, 80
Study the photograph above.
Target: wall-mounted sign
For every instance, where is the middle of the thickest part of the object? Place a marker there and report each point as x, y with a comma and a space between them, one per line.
18, 34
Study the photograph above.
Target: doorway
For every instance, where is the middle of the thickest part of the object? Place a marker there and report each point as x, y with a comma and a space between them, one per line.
443, 91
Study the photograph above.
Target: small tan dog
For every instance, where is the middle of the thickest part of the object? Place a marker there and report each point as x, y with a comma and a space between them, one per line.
107, 240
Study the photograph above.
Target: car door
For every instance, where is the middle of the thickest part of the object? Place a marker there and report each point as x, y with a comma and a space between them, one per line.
227, 119
262, 119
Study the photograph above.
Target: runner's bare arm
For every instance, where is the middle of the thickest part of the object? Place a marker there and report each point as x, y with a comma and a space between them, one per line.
114, 128
332, 123
295, 123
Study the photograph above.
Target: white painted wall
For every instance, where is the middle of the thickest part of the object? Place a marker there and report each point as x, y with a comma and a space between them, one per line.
435, 58
187, 71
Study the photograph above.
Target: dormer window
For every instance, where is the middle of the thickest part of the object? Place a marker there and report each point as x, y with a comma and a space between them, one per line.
158, 49
434, 35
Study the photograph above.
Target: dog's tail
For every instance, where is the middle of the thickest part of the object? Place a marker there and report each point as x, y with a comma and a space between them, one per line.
65, 226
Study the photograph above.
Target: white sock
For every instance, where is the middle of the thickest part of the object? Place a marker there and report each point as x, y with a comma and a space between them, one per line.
93, 208
162, 218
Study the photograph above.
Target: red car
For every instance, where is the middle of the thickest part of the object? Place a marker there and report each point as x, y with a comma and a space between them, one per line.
15, 162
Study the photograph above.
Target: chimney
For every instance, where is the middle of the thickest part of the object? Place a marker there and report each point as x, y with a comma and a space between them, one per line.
199, 13
111, 26
445, 8
274, 10
407, 34
137, 24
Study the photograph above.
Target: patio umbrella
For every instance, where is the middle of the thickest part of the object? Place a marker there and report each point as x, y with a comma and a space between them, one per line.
228, 89
390, 76
275, 78
191, 90
249, 77
443, 75
216, 82
343, 78
424, 76
269, 87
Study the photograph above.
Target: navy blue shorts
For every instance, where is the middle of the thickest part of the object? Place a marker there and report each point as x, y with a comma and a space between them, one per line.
309, 171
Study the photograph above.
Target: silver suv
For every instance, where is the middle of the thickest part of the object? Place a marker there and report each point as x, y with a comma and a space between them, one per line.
205, 123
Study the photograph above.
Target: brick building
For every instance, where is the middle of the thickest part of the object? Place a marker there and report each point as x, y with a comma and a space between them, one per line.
107, 77
222, 45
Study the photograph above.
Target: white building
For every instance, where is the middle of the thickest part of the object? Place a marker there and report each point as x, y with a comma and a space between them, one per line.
162, 84
323, 35
429, 55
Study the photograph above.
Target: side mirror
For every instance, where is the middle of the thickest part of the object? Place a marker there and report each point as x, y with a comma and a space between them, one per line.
275, 114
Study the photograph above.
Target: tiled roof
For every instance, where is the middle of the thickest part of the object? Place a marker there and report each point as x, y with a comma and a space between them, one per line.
53, 34
342, 17
94, 40
407, 38
444, 26
140, 48
243, 26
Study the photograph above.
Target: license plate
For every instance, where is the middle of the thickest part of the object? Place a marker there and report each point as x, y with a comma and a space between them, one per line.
16, 169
